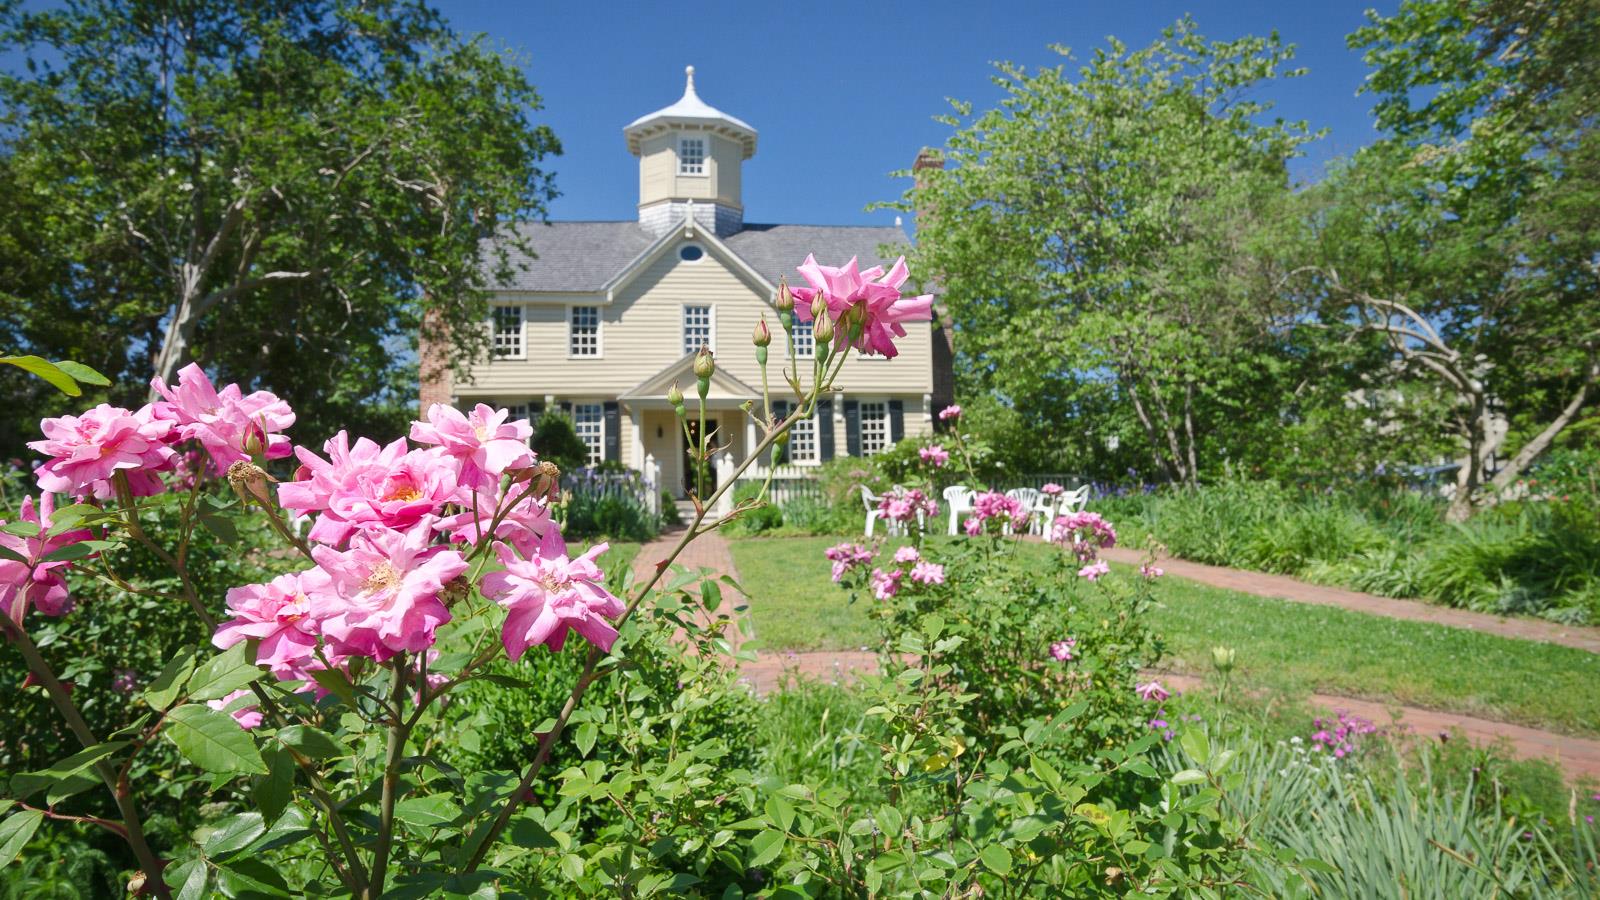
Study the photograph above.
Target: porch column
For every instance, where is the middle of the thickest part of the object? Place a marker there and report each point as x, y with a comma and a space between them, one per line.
750, 437
636, 451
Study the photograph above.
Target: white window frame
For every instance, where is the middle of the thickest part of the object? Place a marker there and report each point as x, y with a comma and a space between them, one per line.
580, 411
710, 326
882, 424
805, 433
513, 347
703, 147
804, 347
599, 332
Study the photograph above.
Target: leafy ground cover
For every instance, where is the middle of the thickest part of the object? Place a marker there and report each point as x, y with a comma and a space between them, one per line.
1282, 647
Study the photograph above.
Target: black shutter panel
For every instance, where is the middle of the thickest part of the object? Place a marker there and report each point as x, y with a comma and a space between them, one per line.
782, 409
566, 408
852, 427
897, 421
613, 431
825, 430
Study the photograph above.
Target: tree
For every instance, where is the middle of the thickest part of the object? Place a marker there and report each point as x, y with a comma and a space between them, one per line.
278, 190
1093, 239
1467, 237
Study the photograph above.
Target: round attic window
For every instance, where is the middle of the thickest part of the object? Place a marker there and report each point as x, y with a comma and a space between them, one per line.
690, 253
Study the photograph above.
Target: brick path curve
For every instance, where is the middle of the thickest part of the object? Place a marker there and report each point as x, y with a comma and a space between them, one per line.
1579, 757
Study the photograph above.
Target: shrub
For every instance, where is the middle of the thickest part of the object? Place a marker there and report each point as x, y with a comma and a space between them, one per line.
764, 518
556, 440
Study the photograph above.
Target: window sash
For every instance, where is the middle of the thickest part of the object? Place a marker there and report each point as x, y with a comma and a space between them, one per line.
691, 156
697, 331
805, 342
874, 428
589, 421
507, 336
583, 331
803, 442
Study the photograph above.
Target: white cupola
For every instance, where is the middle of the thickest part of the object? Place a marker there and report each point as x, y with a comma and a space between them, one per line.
690, 155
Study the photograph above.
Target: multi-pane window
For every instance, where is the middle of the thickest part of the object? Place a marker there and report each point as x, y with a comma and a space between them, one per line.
696, 328
803, 440
583, 331
507, 342
589, 420
805, 345
874, 428
692, 156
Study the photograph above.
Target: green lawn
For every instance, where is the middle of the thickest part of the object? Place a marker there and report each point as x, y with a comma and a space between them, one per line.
1281, 646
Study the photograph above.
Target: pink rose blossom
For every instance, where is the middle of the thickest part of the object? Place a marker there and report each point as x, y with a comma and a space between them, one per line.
903, 505
278, 614
1094, 570
42, 585
847, 556
1051, 489
996, 507
886, 584
231, 426
367, 486
935, 454
875, 294
926, 572
382, 595
1151, 571
1085, 533
248, 716
1152, 690
549, 593
1061, 650
85, 451
950, 412
973, 526
483, 442
907, 554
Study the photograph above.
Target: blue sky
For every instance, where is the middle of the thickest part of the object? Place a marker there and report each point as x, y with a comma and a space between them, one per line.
845, 93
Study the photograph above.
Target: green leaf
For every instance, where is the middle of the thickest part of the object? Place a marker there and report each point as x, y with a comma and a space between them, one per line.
43, 368
169, 684
273, 790
781, 811
16, 831
21, 529
765, 847
234, 834
82, 373
427, 812
312, 742
249, 878
335, 682
188, 879
585, 736
1196, 745
224, 673
63, 770
77, 551
710, 596
996, 859
212, 740
1189, 776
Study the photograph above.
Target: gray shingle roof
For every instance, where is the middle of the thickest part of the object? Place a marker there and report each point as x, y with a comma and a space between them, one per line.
583, 256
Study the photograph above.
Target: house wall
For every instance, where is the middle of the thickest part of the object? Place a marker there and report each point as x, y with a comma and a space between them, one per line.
658, 170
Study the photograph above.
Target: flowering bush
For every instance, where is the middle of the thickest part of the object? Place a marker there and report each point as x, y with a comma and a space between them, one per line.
423, 565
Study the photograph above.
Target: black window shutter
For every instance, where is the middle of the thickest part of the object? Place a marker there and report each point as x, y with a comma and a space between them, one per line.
613, 431
897, 421
566, 408
852, 427
825, 430
782, 409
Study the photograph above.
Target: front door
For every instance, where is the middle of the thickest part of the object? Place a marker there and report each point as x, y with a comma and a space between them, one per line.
690, 463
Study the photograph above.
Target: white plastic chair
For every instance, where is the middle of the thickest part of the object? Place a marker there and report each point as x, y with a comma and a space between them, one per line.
870, 501
1028, 497
1073, 501
1042, 513
959, 499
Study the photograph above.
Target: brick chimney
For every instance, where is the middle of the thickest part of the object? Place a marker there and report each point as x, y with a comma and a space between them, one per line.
433, 362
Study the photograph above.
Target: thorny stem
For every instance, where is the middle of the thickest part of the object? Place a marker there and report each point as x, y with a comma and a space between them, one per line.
399, 733
133, 830
589, 674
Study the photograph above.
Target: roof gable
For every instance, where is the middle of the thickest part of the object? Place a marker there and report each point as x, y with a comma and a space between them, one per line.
681, 372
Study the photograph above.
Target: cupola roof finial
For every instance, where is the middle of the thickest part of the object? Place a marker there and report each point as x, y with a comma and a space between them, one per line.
692, 112
688, 86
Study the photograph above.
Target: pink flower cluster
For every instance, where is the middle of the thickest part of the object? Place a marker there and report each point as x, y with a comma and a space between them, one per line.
1061, 651
992, 509
867, 300
904, 505
848, 556
1152, 690
1085, 533
935, 454
1051, 489
950, 412
1341, 736
32, 581
1151, 571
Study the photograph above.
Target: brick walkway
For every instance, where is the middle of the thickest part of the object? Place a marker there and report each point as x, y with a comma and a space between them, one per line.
1283, 587
1579, 757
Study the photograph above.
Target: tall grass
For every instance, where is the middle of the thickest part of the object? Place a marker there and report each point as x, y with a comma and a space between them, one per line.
1535, 557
